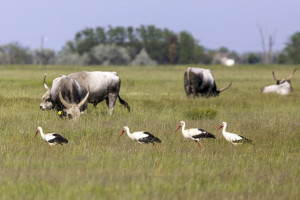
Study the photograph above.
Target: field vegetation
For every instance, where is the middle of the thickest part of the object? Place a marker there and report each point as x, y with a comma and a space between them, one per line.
96, 164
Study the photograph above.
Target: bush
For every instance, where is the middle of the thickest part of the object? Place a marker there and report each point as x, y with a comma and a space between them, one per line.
109, 55
143, 59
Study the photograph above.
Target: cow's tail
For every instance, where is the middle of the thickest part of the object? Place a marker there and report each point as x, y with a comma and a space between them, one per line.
124, 103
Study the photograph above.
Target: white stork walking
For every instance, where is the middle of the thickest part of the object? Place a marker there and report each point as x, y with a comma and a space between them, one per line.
194, 133
233, 138
51, 138
141, 136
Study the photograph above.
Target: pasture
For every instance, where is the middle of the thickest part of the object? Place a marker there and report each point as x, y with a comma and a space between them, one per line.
96, 164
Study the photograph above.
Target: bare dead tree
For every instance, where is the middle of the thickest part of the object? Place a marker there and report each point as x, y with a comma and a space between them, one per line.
267, 56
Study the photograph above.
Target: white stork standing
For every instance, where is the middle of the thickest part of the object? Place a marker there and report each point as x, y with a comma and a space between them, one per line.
141, 136
233, 138
194, 133
51, 138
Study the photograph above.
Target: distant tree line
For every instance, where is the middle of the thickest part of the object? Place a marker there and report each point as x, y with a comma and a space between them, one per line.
145, 45
162, 45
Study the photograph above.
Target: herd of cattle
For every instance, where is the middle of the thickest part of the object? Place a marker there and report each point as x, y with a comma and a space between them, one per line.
71, 94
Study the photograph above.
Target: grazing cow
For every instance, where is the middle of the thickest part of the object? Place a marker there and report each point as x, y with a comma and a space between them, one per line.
199, 80
101, 85
65, 95
283, 86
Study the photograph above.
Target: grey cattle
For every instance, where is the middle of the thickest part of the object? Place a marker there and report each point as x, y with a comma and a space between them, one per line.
283, 86
65, 95
201, 81
101, 86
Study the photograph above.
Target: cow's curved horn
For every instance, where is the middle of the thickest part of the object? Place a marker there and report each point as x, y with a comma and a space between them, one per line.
225, 88
274, 76
291, 76
67, 105
84, 100
45, 85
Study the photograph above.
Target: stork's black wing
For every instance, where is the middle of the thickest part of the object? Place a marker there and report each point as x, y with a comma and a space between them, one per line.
149, 139
58, 139
204, 134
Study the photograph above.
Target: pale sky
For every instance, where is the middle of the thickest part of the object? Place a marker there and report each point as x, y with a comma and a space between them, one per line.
215, 23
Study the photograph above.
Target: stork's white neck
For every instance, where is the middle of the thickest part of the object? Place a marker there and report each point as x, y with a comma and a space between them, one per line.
128, 133
41, 132
224, 129
183, 127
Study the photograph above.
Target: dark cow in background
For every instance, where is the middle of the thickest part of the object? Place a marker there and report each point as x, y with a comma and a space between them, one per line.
101, 86
283, 86
201, 81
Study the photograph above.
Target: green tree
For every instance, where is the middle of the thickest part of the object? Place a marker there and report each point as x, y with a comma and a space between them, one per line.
14, 53
101, 35
85, 40
186, 48
173, 50
292, 49
253, 58
117, 35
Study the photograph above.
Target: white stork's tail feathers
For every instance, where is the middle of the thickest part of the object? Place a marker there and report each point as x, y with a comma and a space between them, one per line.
156, 140
149, 139
205, 134
244, 140
59, 139
124, 103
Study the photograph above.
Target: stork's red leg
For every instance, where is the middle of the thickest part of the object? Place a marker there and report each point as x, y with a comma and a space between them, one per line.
200, 144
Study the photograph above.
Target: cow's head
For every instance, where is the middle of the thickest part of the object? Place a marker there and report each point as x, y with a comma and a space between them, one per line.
72, 110
281, 81
46, 103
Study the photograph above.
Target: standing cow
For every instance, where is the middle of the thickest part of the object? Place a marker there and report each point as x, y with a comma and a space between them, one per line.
283, 86
201, 81
101, 85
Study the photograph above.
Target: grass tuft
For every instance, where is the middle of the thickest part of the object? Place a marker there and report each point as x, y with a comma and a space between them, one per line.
200, 113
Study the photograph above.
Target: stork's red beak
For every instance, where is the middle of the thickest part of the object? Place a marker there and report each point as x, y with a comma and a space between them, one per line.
36, 132
178, 127
122, 133
220, 127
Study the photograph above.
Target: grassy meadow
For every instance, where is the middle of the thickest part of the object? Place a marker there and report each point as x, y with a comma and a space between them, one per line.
96, 164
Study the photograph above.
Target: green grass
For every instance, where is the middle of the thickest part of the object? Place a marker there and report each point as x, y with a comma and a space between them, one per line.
96, 164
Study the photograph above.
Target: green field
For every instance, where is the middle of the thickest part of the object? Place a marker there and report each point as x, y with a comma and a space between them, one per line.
96, 164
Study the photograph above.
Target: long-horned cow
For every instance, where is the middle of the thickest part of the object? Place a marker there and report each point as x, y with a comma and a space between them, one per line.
283, 86
201, 81
65, 95
101, 85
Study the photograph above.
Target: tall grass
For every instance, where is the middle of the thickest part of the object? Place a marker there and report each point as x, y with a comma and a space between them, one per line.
96, 164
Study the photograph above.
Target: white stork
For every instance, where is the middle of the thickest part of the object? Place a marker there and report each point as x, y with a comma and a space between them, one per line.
141, 136
51, 138
194, 133
233, 138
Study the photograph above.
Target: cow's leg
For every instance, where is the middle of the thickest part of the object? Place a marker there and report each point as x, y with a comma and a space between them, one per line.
107, 101
194, 92
111, 102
